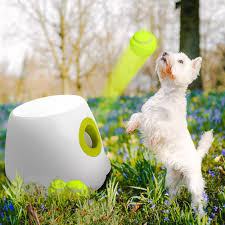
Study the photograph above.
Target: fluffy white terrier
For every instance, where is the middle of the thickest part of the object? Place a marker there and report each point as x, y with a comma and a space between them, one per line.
163, 126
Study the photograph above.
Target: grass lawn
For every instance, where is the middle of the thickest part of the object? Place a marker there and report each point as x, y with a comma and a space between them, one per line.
134, 191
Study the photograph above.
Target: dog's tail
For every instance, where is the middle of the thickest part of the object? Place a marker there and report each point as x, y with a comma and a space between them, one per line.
134, 122
205, 143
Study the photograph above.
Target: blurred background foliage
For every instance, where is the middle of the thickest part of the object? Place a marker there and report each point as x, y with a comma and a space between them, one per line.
70, 47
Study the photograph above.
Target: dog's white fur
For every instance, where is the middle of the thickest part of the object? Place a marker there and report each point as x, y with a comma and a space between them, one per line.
163, 126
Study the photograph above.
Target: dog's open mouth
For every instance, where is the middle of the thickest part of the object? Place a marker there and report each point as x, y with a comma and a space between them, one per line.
168, 70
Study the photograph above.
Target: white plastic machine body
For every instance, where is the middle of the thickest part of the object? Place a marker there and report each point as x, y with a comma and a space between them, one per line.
44, 142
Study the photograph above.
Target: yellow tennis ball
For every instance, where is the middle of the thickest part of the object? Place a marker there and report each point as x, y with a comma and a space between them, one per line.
143, 43
56, 186
77, 187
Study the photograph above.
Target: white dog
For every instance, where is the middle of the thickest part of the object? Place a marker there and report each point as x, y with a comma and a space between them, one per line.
163, 126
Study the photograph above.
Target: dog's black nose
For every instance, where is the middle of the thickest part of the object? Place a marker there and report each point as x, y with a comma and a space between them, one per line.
164, 54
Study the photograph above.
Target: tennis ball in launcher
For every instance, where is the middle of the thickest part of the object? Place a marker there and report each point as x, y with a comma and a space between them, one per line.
56, 186
77, 187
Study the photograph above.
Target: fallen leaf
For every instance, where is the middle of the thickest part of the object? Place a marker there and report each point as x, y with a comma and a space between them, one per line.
136, 207
104, 218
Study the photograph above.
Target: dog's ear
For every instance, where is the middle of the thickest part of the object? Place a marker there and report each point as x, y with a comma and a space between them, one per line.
196, 66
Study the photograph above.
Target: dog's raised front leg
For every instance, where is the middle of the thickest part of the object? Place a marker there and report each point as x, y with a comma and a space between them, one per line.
133, 123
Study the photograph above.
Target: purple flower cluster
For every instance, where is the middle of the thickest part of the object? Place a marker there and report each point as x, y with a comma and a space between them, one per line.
223, 152
211, 173
7, 208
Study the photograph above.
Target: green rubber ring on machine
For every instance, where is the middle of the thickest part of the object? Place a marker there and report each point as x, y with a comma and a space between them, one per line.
88, 125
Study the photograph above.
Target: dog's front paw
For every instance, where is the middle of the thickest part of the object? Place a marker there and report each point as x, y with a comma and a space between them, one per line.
131, 128
153, 141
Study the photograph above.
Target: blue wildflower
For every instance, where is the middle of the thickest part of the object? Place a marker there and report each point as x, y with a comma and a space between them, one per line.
223, 152
166, 201
4, 207
196, 210
99, 193
42, 207
150, 201
139, 178
211, 173
205, 197
153, 206
125, 175
106, 149
119, 152
166, 219
213, 215
166, 194
125, 156
106, 129
11, 206
223, 206
2, 214
119, 130
119, 190
215, 208
182, 213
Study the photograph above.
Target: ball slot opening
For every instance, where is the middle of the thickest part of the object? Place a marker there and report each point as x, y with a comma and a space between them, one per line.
90, 136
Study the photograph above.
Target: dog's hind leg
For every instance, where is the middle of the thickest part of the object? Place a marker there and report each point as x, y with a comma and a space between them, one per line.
173, 178
195, 184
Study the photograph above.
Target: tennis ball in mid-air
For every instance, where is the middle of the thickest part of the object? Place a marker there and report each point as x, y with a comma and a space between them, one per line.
143, 43
56, 186
77, 187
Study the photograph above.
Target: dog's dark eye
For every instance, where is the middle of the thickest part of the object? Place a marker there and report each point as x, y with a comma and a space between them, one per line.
181, 61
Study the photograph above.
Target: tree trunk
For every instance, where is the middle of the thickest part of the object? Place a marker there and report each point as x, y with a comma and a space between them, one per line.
189, 33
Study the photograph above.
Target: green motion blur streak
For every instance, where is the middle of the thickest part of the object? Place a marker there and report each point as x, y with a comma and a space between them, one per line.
142, 45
